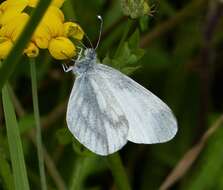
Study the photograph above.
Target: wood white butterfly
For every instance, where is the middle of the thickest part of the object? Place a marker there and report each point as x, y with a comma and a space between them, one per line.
107, 108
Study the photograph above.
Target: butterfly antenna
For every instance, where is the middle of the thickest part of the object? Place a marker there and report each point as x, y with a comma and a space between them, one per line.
100, 32
88, 39
82, 44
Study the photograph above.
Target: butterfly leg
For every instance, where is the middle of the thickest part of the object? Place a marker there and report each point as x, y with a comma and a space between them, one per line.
67, 68
80, 53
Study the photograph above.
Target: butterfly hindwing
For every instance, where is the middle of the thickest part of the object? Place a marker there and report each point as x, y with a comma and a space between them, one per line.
150, 120
94, 116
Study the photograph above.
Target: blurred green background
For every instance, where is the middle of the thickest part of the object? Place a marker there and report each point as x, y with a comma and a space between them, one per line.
175, 52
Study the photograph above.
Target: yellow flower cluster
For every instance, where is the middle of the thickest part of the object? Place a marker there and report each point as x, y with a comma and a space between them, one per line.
52, 33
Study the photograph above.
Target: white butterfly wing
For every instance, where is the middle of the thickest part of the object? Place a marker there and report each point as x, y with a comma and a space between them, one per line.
94, 116
150, 119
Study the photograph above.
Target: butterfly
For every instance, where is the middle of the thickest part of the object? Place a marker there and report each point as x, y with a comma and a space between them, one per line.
106, 108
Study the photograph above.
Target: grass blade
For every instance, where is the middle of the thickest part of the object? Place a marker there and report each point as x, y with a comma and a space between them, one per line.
15, 143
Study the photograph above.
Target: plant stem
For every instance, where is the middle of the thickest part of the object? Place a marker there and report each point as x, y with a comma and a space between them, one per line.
214, 15
118, 172
38, 127
68, 9
76, 176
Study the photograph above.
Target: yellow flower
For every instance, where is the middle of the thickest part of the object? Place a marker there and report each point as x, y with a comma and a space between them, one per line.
72, 29
57, 3
32, 3
13, 28
5, 47
10, 9
62, 48
42, 37
14, 4
10, 32
52, 32
50, 26
32, 50
53, 20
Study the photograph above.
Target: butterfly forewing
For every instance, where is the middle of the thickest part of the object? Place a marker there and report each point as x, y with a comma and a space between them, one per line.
150, 120
94, 116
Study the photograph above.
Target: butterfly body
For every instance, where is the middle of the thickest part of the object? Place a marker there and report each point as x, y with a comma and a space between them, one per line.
83, 65
107, 108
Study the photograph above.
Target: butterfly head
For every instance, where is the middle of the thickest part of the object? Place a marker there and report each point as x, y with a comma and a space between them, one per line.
90, 54
90, 57
86, 62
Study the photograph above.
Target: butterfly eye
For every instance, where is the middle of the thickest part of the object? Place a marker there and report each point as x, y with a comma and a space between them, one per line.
77, 65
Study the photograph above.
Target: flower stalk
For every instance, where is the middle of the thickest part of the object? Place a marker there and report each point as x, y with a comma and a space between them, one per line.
38, 126
118, 172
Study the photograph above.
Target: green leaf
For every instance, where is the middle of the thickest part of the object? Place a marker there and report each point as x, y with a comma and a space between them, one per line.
130, 70
4, 145
64, 136
143, 22
15, 143
5, 173
134, 40
80, 149
128, 56
206, 174
26, 123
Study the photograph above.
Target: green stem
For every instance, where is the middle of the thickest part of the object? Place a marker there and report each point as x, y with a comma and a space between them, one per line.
14, 56
38, 127
15, 143
76, 176
118, 172
68, 9
125, 34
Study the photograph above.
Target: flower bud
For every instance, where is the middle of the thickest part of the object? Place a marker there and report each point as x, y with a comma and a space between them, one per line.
53, 21
42, 37
50, 26
32, 50
135, 8
72, 29
62, 48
